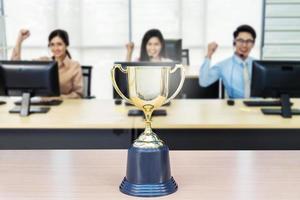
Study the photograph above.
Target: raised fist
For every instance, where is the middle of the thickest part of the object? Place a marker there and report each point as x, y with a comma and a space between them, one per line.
130, 47
23, 35
211, 48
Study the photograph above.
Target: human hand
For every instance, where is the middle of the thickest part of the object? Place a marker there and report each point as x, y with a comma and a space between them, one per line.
23, 35
211, 48
130, 47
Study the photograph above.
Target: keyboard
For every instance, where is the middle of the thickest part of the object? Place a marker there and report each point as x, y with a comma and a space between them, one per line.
54, 102
263, 103
135, 112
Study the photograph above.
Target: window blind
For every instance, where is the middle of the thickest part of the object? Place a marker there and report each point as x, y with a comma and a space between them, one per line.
281, 31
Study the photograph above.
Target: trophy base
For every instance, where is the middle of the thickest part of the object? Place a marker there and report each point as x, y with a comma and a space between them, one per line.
148, 190
148, 173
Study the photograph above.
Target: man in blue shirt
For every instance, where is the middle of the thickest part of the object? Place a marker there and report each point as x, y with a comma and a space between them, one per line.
235, 71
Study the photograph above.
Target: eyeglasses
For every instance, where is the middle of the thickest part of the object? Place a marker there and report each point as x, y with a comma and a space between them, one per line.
247, 42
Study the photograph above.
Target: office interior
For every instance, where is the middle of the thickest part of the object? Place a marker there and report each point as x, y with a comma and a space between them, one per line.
219, 149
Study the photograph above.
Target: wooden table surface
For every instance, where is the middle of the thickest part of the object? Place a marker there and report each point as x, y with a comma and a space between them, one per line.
216, 114
86, 114
96, 174
182, 114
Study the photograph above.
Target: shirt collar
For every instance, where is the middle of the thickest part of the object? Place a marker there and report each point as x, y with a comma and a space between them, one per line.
66, 62
239, 61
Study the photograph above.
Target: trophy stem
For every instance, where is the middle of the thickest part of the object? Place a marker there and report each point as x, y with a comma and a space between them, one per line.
148, 139
148, 129
148, 110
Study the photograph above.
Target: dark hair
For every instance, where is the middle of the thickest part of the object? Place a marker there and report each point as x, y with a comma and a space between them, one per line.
148, 35
61, 34
244, 28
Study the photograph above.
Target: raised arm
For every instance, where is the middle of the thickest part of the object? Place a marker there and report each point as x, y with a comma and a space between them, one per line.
23, 35
129, 48
211, 49
209, 75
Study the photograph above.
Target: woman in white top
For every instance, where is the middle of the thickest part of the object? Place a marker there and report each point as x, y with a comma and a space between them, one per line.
152, 48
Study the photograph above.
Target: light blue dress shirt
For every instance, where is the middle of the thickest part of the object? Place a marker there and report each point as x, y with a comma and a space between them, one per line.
230, 71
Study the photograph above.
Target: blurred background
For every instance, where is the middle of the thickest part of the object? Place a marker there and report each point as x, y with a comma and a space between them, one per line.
99, 29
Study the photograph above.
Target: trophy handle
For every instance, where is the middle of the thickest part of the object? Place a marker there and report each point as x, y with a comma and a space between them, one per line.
177, 66
125, 71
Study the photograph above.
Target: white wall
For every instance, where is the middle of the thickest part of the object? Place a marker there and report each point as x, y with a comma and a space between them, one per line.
98, 29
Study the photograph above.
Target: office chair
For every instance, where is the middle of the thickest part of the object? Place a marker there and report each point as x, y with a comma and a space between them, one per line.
185, 57
192, 90
173, 49
87, 80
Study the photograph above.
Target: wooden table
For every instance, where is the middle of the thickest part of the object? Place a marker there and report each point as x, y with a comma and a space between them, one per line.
73, 124
79, 114
190, 124
212, 125
96, 174
216, 114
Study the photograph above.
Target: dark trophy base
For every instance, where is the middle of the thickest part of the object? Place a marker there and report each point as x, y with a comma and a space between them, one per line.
148, 173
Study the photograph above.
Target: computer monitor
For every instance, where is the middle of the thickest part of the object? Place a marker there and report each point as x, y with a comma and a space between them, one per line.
27, 79
174, 49
276, 79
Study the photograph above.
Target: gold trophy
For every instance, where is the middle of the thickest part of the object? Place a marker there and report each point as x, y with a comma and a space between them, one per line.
148, 166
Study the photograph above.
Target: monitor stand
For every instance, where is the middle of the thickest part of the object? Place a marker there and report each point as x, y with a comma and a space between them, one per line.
25, 108
285, 111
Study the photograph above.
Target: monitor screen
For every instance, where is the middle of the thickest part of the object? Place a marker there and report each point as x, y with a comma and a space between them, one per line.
275, 78
27, 79
174, 49
39, 78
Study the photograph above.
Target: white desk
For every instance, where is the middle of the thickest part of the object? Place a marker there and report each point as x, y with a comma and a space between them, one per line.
190, 124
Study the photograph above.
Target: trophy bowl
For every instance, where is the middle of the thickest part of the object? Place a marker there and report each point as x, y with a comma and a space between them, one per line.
148, 166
